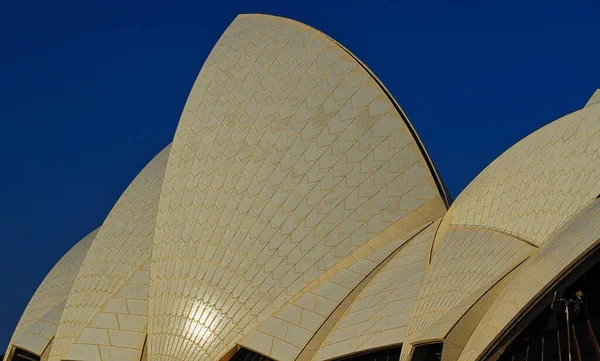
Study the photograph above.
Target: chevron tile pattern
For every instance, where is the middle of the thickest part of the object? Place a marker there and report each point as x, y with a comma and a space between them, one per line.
285, 334
121, 246
539, 183
288, 157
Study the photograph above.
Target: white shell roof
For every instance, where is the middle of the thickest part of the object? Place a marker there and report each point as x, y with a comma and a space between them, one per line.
298, 215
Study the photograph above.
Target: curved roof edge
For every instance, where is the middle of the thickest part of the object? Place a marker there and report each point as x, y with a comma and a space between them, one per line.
50, 293
434, 172
594, 99
537, 184
441, 186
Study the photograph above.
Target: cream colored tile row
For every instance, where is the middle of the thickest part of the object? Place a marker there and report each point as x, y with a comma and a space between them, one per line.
565, 247
288, 157
379, 315
540, 182
121, 246
468, 258
50, 296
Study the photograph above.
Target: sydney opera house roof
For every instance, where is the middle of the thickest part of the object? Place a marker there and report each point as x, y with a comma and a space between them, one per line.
297, 216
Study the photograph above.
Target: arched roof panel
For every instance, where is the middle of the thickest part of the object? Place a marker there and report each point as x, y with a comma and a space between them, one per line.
54, 289
289, 156
539, 183
121, 247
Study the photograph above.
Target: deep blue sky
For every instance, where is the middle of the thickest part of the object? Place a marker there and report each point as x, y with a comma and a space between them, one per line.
90, 91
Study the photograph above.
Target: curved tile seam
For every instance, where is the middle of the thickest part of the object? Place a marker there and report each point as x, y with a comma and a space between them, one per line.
482, 344
49, 293
442, 189
555, 169
309, 352
431, 248
494, 229
379, 315
456, 314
